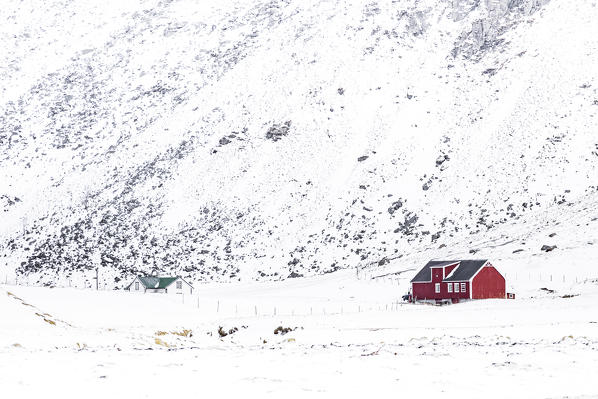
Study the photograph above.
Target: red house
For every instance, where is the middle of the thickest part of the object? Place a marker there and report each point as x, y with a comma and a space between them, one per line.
455, 280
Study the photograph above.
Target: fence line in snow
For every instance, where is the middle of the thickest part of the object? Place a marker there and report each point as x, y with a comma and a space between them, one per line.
372, 278
250, 310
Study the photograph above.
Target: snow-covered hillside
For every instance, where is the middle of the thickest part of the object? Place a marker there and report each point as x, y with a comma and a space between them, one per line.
261, 139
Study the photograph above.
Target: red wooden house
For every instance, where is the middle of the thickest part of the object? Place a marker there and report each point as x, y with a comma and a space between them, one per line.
455, 280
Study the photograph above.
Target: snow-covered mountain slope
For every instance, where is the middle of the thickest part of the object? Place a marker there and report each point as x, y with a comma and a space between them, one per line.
262, 139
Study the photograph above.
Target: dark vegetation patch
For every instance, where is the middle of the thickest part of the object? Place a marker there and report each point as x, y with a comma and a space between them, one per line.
223, 333
283, 330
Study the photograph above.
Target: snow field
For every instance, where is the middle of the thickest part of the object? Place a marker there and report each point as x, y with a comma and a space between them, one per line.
542, 346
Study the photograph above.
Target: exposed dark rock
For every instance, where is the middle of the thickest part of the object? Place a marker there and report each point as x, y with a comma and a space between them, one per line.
383, 262
408, 226
441, 159
362, 158
548, 248
283, 330
223, 333
278, 131
395, 206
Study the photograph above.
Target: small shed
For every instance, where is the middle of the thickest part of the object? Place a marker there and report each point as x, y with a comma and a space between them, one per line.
166, 285
456, 280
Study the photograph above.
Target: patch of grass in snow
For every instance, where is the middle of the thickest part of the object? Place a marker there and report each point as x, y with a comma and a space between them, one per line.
81, 346
45, 316
183, 333
49, 321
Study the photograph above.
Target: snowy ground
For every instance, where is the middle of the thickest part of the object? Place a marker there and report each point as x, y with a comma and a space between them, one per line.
116, 344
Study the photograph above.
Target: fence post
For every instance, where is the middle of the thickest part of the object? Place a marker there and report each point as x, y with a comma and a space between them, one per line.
218, 306
255, 306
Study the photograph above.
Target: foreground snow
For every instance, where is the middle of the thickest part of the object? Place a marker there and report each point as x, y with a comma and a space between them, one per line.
61, 342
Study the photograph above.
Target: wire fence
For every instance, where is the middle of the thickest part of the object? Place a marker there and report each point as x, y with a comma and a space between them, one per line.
231, 309
280, 306
510, 277
26, 281
546, 277
249, 308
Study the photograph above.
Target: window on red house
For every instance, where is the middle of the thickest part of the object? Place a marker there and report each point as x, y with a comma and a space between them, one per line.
437, 288
449, 287
456, 287
463, 289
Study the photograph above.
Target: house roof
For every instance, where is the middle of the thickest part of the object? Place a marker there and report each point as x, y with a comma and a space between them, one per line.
157, 282
464, 271
425, 274
154, 283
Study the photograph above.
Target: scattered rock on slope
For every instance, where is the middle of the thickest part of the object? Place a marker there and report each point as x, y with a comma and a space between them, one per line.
547, 248
278, 131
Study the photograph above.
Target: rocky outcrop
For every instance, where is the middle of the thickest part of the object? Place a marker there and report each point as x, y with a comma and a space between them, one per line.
495, 18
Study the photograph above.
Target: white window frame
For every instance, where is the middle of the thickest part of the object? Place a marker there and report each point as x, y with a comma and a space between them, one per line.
457, 287
179, 285
449, 287
437, 288
463, 287
136, 285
